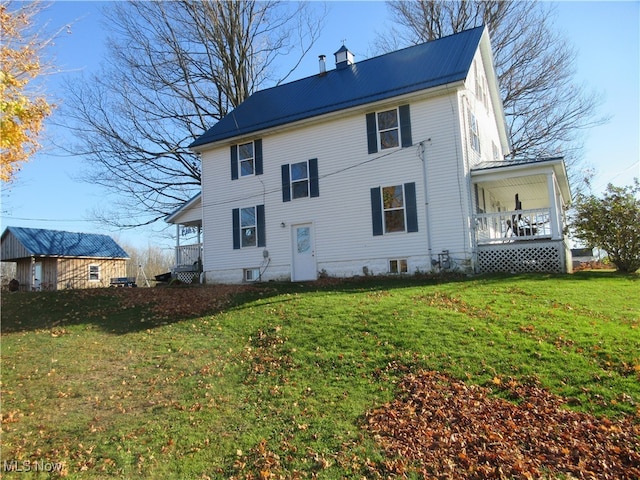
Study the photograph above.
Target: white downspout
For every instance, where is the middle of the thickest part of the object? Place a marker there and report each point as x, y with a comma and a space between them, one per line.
426, 201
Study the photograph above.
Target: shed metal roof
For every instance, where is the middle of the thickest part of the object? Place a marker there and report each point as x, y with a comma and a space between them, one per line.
56, 243
427, 65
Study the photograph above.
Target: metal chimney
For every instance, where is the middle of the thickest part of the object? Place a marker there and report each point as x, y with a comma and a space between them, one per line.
323, 65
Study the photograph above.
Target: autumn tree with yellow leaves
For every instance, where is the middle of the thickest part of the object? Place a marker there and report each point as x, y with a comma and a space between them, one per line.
23, 107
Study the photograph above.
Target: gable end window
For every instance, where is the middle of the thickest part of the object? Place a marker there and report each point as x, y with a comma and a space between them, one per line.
300, 180
246, 159
389, 129
394, 209
249, 227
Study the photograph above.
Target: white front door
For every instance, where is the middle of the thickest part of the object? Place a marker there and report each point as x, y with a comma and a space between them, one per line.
304, 255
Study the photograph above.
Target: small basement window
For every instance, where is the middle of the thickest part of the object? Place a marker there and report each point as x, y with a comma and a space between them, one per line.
398, 265
251, 274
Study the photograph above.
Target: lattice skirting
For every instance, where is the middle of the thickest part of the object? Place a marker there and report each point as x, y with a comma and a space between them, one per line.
545, 257
187, 277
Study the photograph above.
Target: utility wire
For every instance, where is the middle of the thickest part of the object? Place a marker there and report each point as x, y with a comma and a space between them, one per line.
278, 189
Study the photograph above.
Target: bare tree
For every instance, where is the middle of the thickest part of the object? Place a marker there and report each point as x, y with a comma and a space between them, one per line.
544, 107
151, 260
174, 69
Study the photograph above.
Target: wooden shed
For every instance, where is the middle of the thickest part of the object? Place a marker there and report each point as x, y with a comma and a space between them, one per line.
55, 260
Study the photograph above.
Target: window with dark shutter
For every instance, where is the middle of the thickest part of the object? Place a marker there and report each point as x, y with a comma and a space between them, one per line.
249, 227
394, 209
389, 129
300, 180
246, 159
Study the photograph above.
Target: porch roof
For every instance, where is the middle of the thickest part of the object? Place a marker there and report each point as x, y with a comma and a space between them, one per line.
189, 213
522, 174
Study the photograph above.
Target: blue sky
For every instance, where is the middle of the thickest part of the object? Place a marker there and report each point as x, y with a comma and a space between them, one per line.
47, 193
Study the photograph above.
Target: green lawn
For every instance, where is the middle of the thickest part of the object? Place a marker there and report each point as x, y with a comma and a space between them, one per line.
277, 379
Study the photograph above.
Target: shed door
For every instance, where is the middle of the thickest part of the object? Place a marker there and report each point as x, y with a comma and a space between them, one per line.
37, 275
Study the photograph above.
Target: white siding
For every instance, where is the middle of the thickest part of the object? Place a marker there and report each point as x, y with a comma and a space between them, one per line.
341, 215
12, 249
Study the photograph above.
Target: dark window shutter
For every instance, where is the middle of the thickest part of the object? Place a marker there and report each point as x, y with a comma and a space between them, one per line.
236, 228
372, 133
286, 184
262, 234
376, 211
314, 184
405, 126
410, 205
257, 151
234, 162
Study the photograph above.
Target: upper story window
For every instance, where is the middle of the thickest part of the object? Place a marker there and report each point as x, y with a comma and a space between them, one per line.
394, 209
300, 180
246, 159
389, 129
473, 132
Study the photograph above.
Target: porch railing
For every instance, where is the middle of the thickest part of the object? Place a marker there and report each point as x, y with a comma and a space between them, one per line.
510, 226
189, 257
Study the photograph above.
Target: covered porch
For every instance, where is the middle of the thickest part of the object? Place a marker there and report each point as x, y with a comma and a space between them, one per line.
519, 221
187, 266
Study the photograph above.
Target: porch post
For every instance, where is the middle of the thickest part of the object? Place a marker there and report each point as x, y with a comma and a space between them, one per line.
553, 207
177, 259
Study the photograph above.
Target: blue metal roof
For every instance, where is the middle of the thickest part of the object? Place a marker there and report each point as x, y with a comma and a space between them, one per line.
412, 69
55, 243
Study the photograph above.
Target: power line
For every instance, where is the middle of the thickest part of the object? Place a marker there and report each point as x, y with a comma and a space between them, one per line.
278, 189
10, 217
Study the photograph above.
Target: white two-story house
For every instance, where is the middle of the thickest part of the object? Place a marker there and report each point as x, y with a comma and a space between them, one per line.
390, 165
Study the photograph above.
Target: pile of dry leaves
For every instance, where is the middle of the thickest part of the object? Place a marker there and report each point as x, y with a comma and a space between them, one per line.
180, 302
447, 429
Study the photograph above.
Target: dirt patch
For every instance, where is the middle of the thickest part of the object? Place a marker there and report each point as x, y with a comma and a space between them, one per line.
444, 428
182, 302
